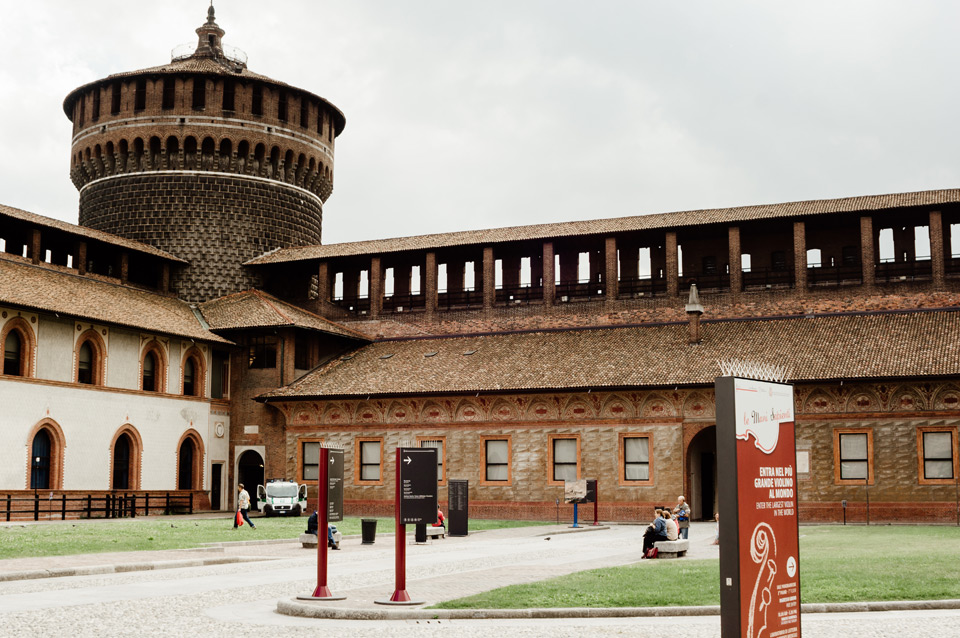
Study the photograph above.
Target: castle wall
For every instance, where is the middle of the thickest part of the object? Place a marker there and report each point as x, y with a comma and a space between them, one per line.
214, 221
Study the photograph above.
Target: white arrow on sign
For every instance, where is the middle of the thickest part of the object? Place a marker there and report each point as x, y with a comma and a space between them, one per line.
331, 459
408, 460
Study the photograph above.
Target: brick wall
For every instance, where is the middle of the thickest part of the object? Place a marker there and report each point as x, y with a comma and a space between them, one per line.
215, 222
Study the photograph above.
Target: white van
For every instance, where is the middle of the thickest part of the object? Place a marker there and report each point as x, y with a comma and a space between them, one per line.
280, 497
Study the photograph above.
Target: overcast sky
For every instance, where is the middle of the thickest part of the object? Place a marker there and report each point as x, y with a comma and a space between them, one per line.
464, 115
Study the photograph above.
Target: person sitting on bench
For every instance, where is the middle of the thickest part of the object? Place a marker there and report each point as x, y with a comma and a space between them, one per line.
313, 522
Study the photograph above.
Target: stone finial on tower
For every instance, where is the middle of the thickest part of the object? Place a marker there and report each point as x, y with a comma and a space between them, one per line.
210, 34
694, 310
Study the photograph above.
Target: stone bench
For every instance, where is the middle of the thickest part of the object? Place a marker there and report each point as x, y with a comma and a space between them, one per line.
433, 532
672, 549
309, 541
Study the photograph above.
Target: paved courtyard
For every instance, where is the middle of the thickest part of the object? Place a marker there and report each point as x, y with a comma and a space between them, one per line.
235, 590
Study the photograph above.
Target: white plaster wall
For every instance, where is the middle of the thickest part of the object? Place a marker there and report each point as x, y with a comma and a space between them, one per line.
89, 418
124, 356
55, 348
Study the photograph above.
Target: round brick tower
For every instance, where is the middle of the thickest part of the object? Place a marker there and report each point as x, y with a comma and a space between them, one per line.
204, 159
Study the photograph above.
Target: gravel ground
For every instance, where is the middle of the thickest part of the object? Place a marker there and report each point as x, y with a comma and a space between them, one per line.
240, 599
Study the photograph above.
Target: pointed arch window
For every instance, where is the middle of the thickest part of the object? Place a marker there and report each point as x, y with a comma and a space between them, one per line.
193, 374
121, 463
150, 372
86, 363
13, 354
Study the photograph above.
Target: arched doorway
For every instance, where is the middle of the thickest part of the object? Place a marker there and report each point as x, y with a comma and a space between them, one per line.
41, 453
188, 451
702, 474
250, 473
121, 462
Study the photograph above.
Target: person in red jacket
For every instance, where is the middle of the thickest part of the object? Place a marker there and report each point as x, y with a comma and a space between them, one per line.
439, 522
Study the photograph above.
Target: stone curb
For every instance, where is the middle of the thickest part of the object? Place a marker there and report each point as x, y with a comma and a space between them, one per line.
93, 570
321, 610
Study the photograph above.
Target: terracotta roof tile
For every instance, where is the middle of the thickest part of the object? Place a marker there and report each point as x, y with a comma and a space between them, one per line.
257, 309
89, 233
614, 225
53, 290
891, 345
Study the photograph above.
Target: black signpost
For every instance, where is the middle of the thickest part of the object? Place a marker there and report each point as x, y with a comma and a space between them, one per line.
416, 502
458, 506
335, 486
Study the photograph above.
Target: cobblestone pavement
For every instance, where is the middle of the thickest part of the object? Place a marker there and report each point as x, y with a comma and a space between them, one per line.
240, 599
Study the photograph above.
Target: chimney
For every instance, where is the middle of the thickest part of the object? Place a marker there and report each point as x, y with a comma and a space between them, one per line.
694, 310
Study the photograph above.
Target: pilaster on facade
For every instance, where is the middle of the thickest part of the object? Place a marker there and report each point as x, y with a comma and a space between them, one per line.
323, 285
376, 287
489, 276
611, 276
672, 265
81, 263
124, 266
937, 258
800, 256
867, 252
549, 275
736, 267
430, 282
35, 246
164, 283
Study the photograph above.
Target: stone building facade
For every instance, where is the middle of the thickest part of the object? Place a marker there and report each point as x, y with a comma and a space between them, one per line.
525, 355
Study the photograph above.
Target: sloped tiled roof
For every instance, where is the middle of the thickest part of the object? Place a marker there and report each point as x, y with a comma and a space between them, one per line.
89, 233
614, 225
257, 309
885, 345
52, 290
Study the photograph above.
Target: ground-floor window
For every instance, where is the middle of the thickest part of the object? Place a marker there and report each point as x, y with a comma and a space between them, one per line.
564, 458
496, 460
310, 460
853, 456
936, 449
635, 459
369, 454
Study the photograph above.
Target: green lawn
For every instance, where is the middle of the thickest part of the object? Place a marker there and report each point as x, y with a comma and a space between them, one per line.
837, 564
171, 532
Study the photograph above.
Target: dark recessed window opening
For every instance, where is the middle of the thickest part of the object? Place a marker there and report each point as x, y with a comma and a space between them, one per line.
85, 364
96, 104
149, 372
115, 99
189, 377
257, 106
229, 94
262, 352
304, 113
12, 358
140, 95
199, 93
169, 92
282, 107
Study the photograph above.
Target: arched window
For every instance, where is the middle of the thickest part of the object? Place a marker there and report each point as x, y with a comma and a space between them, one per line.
150, 372
90, 358
189, 373
194, 374
13, 354
40, 454
86, 363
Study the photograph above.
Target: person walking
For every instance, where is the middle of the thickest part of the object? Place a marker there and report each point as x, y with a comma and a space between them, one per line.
682, 513
243, 504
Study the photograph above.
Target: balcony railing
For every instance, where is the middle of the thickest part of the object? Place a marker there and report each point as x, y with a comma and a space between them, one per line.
519, 296
758, 278
641, 287
459, 299
354, 305
570, 290
889, 270
818, 275
404, 303
707, 281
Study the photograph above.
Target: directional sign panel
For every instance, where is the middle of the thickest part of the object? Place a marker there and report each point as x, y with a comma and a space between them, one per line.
334, 486
418, 485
